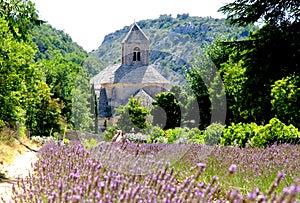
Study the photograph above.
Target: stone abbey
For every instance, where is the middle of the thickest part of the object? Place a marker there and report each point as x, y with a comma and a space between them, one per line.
134, 77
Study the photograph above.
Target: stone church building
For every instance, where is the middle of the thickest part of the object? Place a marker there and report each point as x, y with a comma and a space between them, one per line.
133, 77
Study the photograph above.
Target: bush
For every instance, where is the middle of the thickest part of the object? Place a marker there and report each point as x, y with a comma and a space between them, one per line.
89, 144
173, 134
110, 132
42, 140
196, 136
275, 131
155, 133
213, 133
260, 136
137, 137
176, 135
239, 134
133, 116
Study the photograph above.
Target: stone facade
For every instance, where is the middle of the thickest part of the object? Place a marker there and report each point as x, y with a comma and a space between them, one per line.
134, 77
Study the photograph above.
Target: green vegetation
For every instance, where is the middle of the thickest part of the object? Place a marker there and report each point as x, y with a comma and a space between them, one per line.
132, 116
39, 75
45, 77
256, 70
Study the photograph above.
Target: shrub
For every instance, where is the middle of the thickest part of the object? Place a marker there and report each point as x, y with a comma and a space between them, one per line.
196, 136
213, 133
176, 135
110, 132
173, 134
275, 131
239, 134
260, 136
155, 133
133, 115
89, 144
137, 137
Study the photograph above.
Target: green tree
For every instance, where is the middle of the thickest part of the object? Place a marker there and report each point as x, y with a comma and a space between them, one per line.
133, 115
234, 79
166, 111
206, 84
21, 16
81, 107
268, 55
43, 113
285, 100
276, 13
24, 97
61, 75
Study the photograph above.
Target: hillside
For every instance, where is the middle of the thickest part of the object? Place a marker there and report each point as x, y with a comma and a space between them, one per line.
51, 41
173, 41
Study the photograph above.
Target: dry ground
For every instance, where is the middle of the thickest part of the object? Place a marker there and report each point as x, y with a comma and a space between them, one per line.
15, 161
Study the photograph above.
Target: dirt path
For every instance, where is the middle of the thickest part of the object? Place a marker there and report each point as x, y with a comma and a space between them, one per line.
21, 166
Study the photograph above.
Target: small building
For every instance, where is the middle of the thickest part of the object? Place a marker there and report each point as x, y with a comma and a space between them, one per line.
133, 77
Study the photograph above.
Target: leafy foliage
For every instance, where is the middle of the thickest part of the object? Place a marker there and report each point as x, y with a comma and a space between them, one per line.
132, 116
213, 133
25, 98
110, 131
176, 135
251, 67
285, 100
82, 107
21, 17
239, 134
39, 67
167, 102
276, 131
276, 13
242, 134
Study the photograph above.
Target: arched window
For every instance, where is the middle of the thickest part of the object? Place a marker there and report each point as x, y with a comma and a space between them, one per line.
136, 54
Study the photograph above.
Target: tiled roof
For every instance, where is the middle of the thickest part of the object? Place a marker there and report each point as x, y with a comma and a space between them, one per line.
128, 74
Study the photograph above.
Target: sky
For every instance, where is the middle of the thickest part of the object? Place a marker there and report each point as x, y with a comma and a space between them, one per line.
88, 21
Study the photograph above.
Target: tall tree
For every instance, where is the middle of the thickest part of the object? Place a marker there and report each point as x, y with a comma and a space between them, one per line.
270, 54
21, 16
166, 111
24, 96
275, 13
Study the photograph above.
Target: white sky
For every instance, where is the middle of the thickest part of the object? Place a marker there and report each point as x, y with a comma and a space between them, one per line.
88, 21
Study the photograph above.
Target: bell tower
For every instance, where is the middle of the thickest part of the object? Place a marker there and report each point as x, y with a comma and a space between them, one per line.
135, 47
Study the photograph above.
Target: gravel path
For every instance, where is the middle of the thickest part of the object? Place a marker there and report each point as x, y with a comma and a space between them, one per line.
21, 166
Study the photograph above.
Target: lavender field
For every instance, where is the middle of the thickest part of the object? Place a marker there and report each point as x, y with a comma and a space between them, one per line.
135, 173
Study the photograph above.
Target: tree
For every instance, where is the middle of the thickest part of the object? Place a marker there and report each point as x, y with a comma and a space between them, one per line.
275, 13
81, 106
24, 97
61, 74
21, 16
166, 111
206, 84
132, 116
268, 55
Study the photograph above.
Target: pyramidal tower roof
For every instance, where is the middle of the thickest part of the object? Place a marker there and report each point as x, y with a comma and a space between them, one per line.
135, 33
